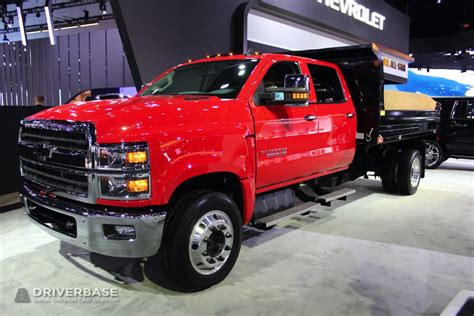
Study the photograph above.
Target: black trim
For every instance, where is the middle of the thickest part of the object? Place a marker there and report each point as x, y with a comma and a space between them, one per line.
127, 45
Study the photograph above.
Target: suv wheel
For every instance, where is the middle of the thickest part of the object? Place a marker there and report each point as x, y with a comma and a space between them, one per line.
434, 154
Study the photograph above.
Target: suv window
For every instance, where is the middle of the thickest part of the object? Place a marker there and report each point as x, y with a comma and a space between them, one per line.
464, 110
326, 84
275, 77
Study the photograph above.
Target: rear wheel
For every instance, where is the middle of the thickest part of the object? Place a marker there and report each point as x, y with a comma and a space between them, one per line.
389, 174
202, 240
409, 172
434, 154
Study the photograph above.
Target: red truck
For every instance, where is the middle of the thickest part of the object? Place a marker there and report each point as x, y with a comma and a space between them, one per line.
212, 145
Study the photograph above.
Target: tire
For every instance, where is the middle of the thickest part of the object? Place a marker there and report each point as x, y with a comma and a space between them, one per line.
389, 174
409, 172
196, 256
434, 154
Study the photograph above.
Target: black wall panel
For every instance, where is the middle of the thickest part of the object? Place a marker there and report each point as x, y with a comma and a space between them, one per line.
160, 34
77, 62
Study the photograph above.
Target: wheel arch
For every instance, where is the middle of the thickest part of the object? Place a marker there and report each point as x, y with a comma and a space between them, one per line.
224, 182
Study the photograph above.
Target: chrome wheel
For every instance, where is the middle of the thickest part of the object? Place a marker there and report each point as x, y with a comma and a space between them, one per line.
433, 155
210, 243
415, 172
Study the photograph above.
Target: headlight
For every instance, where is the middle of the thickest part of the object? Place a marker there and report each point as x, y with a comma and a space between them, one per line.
132, 182
123, 156
125, 186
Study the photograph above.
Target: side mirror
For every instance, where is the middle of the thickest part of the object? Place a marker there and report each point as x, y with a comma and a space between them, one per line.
294, 92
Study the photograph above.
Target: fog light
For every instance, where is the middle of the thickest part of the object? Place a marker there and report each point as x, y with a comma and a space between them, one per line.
136, 186
119, 232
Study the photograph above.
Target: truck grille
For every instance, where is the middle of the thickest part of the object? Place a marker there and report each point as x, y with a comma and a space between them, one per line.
61, 143
56, 154
55, 177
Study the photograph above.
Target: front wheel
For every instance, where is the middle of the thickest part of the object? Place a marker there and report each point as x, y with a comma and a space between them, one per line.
434, 154
409, 172
202, 240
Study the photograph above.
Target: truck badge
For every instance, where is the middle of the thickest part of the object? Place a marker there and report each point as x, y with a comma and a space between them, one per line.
44, 151
276, 152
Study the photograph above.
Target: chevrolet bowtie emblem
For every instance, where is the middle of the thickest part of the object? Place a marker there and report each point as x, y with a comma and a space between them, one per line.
44, 151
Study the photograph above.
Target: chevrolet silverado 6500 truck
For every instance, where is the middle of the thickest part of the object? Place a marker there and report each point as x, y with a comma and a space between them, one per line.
212, 145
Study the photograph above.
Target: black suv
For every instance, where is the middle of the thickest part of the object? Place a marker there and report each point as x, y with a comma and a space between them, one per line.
456, 133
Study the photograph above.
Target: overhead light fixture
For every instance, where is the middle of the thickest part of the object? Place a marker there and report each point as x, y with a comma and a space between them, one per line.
439, 1
5, 38
89, 24
103, 7
69, 27
49, 21
38, 14
22, 25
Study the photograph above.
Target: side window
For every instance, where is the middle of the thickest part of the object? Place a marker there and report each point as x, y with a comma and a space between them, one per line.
470, 110
460, 110
326, 84
275, 77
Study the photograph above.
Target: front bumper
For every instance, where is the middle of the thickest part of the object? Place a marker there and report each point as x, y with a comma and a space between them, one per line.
83, 225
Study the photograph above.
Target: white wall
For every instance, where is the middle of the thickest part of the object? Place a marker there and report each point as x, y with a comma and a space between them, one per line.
274, 31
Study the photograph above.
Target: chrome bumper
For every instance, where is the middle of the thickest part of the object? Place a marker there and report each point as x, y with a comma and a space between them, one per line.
89, 226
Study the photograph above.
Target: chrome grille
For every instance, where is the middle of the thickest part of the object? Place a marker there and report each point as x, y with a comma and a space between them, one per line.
54, 177
56, 142
57, 155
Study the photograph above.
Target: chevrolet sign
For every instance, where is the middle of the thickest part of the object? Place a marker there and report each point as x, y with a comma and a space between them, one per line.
357, 11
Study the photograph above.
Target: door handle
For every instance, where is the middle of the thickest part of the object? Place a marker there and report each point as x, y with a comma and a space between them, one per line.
310, 117
350, 115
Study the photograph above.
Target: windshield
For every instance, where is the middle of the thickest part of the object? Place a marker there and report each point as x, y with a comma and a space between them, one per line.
224, 79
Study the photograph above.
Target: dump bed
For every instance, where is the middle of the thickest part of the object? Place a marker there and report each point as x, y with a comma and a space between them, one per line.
366, 69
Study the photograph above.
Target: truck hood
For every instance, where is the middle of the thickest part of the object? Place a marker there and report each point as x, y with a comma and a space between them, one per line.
134, 119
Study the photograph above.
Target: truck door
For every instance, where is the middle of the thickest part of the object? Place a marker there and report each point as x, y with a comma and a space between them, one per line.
285, 134
460, 140
336, 117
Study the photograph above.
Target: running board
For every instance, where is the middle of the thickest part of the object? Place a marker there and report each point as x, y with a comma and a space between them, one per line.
273, 219
341, 194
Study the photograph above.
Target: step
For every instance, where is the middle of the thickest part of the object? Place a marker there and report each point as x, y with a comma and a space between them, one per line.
341, 194
273, 219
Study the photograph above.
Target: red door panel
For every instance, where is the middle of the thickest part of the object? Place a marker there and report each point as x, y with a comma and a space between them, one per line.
336, 135
285, 143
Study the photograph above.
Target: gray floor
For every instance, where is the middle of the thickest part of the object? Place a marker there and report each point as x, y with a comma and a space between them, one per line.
377, 254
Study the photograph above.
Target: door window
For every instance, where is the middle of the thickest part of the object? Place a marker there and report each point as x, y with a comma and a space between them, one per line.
326, 84
275, 77
463, 110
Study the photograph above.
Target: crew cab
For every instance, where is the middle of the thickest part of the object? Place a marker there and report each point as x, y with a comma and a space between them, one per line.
456, 133
212, 145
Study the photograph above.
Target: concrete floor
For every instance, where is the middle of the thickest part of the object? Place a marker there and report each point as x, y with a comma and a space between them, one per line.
376, 254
